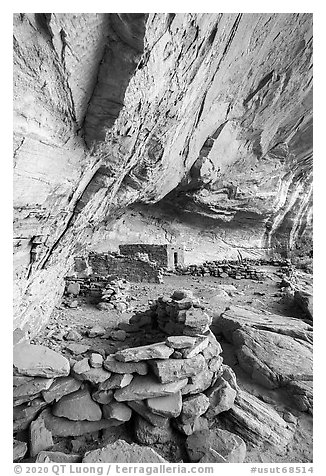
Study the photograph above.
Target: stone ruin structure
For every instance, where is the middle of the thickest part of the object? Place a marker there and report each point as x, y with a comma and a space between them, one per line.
171, 388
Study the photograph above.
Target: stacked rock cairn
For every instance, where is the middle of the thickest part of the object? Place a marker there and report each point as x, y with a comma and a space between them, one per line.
115, 296
176, 384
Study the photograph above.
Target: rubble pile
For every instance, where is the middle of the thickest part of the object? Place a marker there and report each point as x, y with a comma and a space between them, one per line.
176, 384
115, 295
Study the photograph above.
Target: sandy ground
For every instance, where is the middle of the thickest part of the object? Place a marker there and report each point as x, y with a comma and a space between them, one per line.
264, 295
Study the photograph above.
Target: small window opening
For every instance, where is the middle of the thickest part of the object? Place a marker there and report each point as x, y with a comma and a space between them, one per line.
175, 258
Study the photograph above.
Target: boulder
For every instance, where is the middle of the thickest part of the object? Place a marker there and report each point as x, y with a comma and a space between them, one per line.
145, 352
179, 294
199, 346
60, 387
94, 375
123, 452
174, 369
230, 446
305, 300
115, 366
39, 361
272, 359
77, 406
169, 406
257, 422
148, 434
236, 317
142, 387
78, 349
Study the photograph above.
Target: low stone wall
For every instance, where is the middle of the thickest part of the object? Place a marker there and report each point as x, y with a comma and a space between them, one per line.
156, 253
116, 266
176, 383
234, 269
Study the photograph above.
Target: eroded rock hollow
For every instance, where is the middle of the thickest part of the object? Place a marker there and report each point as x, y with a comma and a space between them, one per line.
161, 128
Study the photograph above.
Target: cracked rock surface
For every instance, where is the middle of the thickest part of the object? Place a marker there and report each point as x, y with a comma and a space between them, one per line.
197, 127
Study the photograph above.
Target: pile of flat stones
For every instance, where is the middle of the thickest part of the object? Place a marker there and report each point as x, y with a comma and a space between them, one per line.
174, 386
234, 269
115, 295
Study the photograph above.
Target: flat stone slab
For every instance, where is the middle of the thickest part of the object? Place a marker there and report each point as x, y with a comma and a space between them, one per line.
123, 452
198, 383
117, 410
237, 317
78, 406
24, 414
175, 369
145, 352
32, 387
40, 437
169, 406
77, 349
143, 387
63, 427
116, 381
39, 361
257, 421
181, 342
273, 359
113, 365
94, 375
142, 409
60, 387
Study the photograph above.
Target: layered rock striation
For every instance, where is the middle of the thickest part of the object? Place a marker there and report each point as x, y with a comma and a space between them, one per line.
197, 118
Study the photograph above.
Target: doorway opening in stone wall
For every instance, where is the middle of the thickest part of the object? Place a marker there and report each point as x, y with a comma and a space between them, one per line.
159, 316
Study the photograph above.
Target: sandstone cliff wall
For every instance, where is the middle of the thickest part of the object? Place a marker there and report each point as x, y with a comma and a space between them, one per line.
209, 116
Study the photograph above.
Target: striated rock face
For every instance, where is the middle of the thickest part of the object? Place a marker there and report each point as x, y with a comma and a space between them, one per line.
200, 124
